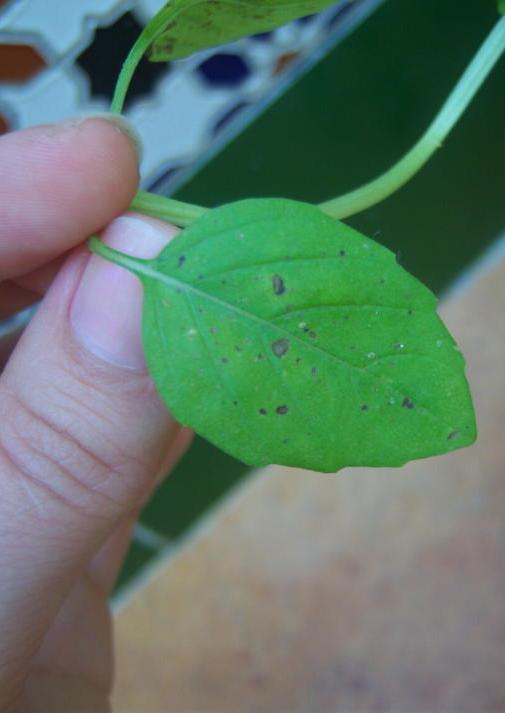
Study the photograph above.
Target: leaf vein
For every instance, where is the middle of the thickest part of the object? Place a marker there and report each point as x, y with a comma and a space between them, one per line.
201, 334
146, 269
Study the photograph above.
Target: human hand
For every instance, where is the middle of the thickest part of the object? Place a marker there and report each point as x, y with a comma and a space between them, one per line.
83, 435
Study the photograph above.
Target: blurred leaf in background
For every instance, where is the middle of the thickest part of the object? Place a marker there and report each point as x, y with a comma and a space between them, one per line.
193, 26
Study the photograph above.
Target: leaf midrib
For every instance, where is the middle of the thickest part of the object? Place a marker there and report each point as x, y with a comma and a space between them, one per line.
144, 268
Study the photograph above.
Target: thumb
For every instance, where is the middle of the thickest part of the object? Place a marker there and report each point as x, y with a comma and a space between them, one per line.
83, 434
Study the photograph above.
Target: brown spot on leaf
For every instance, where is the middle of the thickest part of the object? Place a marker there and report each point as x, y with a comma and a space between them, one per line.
278, 285
364, 407
312, 334
182, 260
225, 360
263, 411
282, 410
313, 371
280, 347
452, 435
407, 403
342, 253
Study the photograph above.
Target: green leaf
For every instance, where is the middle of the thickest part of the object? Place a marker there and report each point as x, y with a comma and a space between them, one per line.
282, 335
501, 7
186, 26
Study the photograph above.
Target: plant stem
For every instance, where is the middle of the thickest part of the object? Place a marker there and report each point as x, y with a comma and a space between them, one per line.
127, 261
167, 209
144, 40
389, 182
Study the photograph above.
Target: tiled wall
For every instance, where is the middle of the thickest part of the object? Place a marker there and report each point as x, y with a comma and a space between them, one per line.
61, 58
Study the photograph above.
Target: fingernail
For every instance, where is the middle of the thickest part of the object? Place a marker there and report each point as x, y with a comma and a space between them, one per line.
106, 311
120, 122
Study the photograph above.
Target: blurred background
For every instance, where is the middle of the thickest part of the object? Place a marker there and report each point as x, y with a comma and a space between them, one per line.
307, 112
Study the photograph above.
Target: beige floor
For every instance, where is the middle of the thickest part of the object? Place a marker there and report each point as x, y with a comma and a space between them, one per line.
375, 590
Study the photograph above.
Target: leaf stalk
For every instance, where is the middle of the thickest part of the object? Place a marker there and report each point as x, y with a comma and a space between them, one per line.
393, 179
144, 40
167, 209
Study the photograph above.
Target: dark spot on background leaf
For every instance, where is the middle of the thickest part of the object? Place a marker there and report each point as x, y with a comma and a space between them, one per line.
278, 285
407, 403
280, 347
182, 260
282, 410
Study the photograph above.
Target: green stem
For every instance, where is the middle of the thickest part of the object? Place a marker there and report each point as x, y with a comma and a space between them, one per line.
168, 209
133, 264
144, 40
389, 182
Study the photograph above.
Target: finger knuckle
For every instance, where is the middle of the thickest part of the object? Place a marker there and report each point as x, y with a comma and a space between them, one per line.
54, 459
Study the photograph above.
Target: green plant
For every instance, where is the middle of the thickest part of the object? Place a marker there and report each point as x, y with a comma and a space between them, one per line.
293, 338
